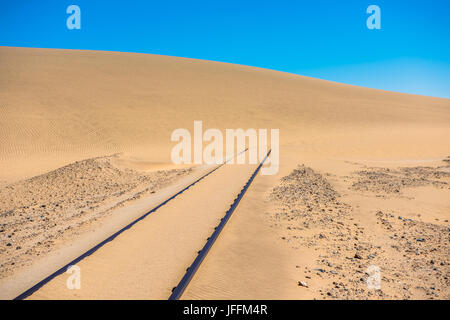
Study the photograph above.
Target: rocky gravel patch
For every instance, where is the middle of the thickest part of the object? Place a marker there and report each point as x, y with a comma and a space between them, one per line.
390, 181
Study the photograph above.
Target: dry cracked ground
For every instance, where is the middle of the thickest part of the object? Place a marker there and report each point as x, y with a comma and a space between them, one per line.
39, 214
317, 212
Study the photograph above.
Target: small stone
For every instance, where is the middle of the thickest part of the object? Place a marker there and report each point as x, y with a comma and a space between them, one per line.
357, 256
420, 239
302, 284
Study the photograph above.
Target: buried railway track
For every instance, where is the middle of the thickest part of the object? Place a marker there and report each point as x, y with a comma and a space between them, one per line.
92, 250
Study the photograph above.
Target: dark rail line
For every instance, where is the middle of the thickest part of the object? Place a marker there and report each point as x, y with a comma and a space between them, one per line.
40, 284
179, 289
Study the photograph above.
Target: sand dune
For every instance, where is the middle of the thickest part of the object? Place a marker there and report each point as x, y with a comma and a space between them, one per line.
62, 106
58, 106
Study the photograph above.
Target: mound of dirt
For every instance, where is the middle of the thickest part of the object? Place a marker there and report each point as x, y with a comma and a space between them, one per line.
306, 187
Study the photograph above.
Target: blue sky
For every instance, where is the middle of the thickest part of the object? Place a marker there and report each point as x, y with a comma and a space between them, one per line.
323, 39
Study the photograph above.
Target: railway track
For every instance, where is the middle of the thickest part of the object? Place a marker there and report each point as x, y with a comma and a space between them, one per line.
63, 269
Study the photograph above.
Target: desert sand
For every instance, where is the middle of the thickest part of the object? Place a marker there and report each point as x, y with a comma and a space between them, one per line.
342, 200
